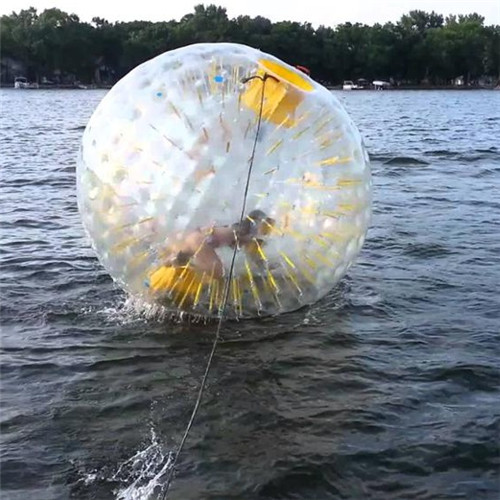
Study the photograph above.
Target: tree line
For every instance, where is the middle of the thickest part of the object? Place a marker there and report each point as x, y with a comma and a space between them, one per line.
420, 48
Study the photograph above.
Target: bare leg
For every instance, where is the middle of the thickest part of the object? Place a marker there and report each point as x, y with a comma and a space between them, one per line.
206, 260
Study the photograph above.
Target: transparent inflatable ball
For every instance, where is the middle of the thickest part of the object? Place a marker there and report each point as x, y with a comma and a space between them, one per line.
162, 183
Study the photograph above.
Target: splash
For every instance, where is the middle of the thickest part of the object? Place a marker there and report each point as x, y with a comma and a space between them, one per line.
135, 310
128, 310
143, 472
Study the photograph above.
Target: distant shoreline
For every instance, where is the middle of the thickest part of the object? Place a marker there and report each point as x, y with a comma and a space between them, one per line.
420, 51
60, 87
329, 87
419, 87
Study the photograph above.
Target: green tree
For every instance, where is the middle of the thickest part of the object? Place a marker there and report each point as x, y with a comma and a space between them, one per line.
421, 47
466, 47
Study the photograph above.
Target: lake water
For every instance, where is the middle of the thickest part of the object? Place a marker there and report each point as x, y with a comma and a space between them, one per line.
386, 389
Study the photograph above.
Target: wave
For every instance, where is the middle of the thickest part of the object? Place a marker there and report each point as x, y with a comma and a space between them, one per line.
426, 250
405, 161
486, 172
379, 157
441, 152
472, 376
470, 155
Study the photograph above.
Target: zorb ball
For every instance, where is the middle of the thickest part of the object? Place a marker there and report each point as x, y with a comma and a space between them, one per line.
162, 183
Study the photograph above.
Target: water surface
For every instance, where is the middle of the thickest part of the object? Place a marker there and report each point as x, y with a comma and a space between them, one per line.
386, 389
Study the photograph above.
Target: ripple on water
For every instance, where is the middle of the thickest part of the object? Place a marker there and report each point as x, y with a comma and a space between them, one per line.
387, 388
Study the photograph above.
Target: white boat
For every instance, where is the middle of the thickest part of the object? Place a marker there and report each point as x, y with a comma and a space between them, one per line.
380, 84
349, 85
21, 82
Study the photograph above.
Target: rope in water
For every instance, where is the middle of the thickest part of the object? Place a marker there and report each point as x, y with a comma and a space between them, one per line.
167, 483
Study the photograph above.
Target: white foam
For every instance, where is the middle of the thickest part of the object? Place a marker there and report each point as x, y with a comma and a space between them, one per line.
143, 472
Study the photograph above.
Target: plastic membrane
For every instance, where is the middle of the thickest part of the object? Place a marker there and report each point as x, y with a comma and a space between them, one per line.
162, 173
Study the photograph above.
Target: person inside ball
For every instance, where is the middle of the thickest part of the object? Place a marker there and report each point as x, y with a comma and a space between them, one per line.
198, 248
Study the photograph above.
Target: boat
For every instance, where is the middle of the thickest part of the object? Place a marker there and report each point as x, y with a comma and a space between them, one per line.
21, 82
381, 85
349, 85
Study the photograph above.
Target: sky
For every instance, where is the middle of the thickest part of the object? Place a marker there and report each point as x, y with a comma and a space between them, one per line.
317, 12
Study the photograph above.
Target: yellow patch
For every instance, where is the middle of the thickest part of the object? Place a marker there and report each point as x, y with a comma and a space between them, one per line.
282, 93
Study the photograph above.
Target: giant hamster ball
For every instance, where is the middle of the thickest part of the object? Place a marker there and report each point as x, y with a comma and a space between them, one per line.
162, 183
